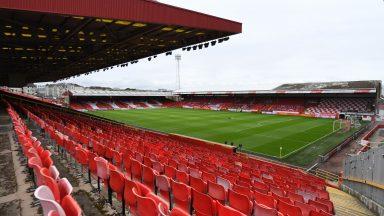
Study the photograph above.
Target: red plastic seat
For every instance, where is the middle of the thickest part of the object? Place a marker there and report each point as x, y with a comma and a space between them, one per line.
163, 186
319, 205
198, 184
288, 209
158, 167
117, 183
305, 208
217, 192
262, 210
295, 197
195, 173
178, 212
182, 177
240, 202
51, 183
183, 168
149, 178
260, 187
203, 204
170, 172
320, 213
224, 182
145, 205
208, 177
266, 200
136, 170
326, 202
65, 187
243, 190
70, 206
223, 210
181, 196
127, 164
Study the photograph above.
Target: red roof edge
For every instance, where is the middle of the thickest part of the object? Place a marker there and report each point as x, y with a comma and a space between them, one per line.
133, 10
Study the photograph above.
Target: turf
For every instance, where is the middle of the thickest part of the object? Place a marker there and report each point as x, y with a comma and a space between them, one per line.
263, 134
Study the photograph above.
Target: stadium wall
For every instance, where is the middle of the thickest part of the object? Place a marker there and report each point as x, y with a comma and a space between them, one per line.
364, 177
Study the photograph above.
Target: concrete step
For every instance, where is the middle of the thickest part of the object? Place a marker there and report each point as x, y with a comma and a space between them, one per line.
346, 205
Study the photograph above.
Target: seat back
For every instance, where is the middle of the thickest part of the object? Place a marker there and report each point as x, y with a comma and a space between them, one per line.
70, 206
136, 170
149, 177
65, 187
47, 200
288, 209
263, 210
305, 208
217, 192
227, 211
163, 185
145, 205
102, 168
240, 202
203, 204
117, 182
182, 176
264, 199
51, 183
198, 184
181, 195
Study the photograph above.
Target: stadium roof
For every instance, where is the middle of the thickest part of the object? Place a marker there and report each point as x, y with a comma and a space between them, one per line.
118, 93
351, 87
369, 84
47, 40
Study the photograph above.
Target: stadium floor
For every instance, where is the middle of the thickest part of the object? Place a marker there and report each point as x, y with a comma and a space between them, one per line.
263, 134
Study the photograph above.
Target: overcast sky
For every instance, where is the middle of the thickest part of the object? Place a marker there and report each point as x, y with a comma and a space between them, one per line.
283, 41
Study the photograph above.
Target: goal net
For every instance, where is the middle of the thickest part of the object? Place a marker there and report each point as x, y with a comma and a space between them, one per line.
342, 125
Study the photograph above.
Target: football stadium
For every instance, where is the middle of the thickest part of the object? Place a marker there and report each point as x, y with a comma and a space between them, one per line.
297, 149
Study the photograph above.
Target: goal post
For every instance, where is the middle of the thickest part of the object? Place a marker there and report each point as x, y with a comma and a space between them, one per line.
342, 125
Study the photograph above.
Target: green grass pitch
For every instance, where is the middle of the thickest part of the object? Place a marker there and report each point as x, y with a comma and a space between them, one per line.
258, 133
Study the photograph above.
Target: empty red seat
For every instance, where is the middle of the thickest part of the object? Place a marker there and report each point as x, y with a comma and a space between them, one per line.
163, 186
145, 205
319, 205
263, 210
208, 177
223, 182
136, 170
203, 204
158, 167
117, 184
195, 173
182, 177
223, 210
288, 209
295, 197
182, 196
305, 208
198, 184
70, 206
320, 213
260, 187
149, 178
217, 192
264, 199
240, 202
51, 183
170, 172
243, 190
327, 203
182, 167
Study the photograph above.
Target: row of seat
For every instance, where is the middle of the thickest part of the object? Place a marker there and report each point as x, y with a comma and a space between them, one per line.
53, 192
261, 173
